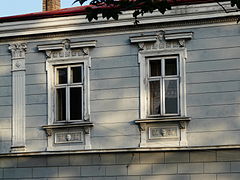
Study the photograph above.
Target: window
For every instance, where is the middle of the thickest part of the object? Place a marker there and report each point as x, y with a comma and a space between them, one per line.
163, 86
68, 67
163, 119
69, 95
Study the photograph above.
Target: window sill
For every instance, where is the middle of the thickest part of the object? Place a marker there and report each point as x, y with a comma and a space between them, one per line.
163, 131
85, 125
182, 120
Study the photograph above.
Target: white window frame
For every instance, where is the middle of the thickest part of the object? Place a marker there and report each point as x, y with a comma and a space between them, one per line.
67, 86
51, 66
162, 78
144, 57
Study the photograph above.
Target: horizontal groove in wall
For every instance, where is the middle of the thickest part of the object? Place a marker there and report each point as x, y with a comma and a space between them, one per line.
109, 135
214, 81
189, 106
124, 77
115, 111
115, 67
216, 131
214, 37
226, 59
115, 88
210, 92
102, 58
29, 104
209, 118
216, 70
209, 49
102, 99
35, 116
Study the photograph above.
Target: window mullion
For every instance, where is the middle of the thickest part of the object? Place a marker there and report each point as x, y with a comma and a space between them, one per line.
162, 87
163, 67
67, 104
178, 95
162, 82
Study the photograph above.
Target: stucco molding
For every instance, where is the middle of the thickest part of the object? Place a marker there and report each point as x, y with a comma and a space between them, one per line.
162, 40
18, 51
67, 49
66, 53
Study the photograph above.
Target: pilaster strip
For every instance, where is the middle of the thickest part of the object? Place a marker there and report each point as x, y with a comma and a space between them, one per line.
18, 51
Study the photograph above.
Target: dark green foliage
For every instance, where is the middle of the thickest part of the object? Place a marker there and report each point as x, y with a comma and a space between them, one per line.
235, 3
80, 1
113, 8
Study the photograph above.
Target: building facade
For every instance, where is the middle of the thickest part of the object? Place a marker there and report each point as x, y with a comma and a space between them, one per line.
112, 100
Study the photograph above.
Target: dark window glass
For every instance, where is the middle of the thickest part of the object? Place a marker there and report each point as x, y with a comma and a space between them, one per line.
171, 67
62, 75
155, 68
171, 97
154, 97
76, 73
76, 103
61, 104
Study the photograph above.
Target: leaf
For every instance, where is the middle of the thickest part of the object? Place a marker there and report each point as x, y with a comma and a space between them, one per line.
113, 8
80, 1
89, 17
115, 16
136, 13
235, 3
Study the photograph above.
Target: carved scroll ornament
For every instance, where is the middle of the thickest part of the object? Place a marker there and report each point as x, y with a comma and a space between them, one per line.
18, 50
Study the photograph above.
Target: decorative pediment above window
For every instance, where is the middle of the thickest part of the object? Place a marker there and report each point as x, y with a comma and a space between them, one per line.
67, 49
161, 40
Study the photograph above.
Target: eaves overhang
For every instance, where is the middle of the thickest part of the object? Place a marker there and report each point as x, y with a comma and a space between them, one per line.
181, 13
80, 10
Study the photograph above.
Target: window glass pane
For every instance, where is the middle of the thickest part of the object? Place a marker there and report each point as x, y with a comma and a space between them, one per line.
154, 97
62, 75
170, 67
76, 103
171, 97
76, 74
155, 68
61, 104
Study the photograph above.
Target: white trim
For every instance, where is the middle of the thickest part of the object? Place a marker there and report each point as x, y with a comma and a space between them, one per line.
50, 66
161, 49
182, 35
143, 56
18, 51
60, 46
140, 39
68, 54
67, 88
51, 74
